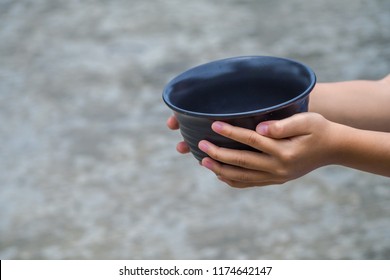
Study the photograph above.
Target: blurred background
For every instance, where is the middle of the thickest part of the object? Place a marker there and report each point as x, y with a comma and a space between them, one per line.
88, 169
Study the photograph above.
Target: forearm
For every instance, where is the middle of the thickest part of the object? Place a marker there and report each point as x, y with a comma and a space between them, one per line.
362, 149
360, 104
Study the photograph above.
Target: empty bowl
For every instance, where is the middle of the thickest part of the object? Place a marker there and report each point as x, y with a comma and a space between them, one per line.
242, 91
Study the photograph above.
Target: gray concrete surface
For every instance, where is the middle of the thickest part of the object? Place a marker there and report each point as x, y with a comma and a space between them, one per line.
88, 169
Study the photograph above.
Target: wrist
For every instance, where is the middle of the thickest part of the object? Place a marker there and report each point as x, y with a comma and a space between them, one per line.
337, 143
341, 143
361, 149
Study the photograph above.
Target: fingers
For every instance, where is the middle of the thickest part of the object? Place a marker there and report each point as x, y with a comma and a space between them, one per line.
172, 123
240, 158
293, 126
239, 177
239, 168
245, 136
182, 148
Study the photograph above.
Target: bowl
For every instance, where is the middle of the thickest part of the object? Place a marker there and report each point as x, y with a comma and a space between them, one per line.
242, 91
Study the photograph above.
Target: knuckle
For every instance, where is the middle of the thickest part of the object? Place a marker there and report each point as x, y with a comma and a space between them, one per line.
227, 132
282, 174
242, 177
240, 159
217, 171
284, 165
252, 138
214, 153
277, 129
287, 156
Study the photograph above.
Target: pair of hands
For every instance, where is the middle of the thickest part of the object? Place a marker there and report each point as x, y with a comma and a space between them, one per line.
289, 149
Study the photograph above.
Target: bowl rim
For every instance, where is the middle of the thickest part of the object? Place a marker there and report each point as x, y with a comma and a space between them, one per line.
300, 96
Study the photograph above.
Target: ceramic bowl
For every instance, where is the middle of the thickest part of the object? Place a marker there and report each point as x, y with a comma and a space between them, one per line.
242, 91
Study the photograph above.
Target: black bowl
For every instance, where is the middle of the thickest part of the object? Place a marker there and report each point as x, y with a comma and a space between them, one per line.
242, 91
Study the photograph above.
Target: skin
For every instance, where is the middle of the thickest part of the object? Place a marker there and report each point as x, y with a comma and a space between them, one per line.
348, 124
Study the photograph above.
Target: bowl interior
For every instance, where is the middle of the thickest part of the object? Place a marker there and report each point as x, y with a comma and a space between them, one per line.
239, 86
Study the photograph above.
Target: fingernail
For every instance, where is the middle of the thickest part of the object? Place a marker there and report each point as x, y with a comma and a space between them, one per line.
203, 146
262, 129
217, 126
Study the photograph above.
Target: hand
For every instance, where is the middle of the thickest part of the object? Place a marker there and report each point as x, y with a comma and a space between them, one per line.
182, 146
287, 148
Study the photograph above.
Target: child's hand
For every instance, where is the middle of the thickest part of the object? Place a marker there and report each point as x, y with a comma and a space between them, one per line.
289, 149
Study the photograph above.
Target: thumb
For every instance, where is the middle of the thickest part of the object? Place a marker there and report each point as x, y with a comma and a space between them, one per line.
293, 126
